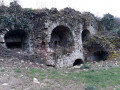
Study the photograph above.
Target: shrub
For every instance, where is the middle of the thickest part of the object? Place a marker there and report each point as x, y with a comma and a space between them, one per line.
108, 21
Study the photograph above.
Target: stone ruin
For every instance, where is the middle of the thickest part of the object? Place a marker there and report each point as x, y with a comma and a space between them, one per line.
57, 36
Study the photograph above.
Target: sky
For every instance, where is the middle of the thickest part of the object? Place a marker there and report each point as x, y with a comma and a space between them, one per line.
97, 7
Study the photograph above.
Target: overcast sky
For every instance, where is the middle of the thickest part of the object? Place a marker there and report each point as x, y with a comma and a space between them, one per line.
97, 7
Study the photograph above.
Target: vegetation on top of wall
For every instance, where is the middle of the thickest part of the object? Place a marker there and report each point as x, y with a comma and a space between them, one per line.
117, 26
89, 18
13, 18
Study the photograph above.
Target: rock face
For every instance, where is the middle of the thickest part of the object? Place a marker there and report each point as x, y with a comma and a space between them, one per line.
1, 39
57, 36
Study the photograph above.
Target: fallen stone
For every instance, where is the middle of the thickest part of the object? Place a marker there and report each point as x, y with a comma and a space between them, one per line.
77, 67
30, 63
5, 84
22, 61
36, 81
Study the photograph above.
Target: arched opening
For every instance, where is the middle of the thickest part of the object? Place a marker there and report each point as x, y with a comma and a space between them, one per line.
78, 62
98, 56
85, 35
15, 39
61, 37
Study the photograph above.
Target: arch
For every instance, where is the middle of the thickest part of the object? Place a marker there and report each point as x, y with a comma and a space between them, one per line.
98, 56
61, 36
15, 39
78, 62
85, 35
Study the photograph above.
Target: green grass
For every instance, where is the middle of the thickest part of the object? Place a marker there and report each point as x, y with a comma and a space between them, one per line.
18, 70
2, 70
97, 78
118, 89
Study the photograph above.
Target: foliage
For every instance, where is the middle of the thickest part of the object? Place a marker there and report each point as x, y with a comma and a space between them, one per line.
15, 22
117, 22
108, 21
7, 21
2, 70
14, 18
114, 54
3, 9
18, 70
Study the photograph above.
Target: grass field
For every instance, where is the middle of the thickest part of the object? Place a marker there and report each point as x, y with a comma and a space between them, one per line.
98, 78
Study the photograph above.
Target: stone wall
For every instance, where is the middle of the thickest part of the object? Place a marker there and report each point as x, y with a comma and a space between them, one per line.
60, 55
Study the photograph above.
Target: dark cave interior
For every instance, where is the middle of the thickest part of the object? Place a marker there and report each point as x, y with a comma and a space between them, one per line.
61, 37
98, 56
15, 39
78, 62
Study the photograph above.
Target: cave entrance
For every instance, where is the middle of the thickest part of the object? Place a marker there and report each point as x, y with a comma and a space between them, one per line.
98, 56
15, 39
78, 62
61, 37
85, 35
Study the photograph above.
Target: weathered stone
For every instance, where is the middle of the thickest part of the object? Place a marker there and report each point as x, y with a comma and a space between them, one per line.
1, 39
57, 35
36, 81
